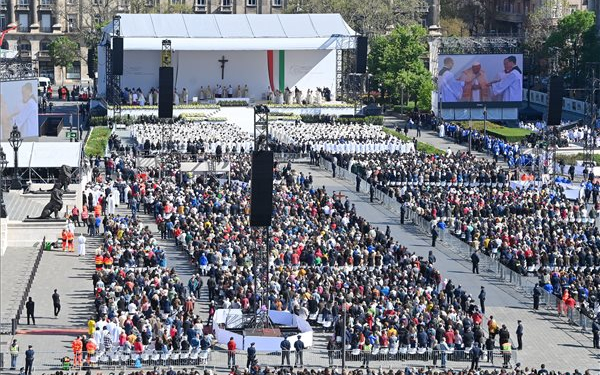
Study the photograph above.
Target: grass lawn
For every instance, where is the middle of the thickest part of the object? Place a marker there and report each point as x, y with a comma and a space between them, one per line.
97, 141
499, 131
425, 147
571, 159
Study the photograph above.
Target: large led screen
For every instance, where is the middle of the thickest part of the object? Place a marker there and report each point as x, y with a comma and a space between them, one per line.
19, 106
463, 80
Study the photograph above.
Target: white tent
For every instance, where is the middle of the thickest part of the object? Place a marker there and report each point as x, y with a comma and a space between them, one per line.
261, 50
44, 154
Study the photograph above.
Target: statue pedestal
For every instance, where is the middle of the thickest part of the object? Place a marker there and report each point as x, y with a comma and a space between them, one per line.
32, 232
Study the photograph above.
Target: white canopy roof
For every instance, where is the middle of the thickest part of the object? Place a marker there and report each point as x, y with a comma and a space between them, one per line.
44, 154
235, 31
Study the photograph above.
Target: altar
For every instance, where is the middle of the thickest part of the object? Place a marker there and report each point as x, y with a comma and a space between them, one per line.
220, 100
261, 52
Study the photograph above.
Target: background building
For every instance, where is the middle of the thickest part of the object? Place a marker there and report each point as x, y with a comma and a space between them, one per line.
41, 21
511, 15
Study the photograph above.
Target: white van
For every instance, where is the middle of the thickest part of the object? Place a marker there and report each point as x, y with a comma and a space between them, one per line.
43, 84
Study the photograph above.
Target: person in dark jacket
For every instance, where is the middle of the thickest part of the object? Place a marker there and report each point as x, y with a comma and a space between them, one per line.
285, 350
475, 355
299, 346
251, 356
30, 307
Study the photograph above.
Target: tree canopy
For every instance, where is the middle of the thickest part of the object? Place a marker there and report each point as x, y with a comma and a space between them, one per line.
366, 17
574, 43
397, 63
64, 51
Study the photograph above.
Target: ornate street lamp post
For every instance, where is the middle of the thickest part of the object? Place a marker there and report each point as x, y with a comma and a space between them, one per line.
15, 140
3, 164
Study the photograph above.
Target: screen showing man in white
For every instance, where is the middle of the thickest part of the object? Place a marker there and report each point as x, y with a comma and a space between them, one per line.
19, 104
480, 78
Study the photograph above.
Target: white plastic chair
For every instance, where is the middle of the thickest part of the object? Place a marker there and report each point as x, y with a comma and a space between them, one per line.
203, 356
403, 350
412, 351
421, 350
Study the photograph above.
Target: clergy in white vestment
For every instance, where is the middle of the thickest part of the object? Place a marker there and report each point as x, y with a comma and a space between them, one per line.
151, 97
184, 95
441, 130
246, 92
449, 87
81, 240
141, 98
175, 97
510, 85
202, 95
110, 205
238, 91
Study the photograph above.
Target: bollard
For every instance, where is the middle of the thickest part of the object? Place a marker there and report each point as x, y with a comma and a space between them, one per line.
13, 328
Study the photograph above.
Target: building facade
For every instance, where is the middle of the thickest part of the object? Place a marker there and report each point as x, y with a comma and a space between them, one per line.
511, 15
39, 22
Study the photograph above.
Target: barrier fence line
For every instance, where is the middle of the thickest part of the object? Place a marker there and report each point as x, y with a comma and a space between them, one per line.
488, 262
381, 357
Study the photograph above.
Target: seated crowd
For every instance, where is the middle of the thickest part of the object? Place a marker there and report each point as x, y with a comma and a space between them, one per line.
323, 258
350, 139
528, 229
193, 137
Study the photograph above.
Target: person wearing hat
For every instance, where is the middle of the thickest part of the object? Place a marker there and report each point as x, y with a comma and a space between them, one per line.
299, 346
29, 354
285, 350
251, 356
520, 335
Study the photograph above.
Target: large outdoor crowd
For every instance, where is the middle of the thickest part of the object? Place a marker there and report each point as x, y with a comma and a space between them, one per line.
192, 137
324, 258
350, 139
529, 228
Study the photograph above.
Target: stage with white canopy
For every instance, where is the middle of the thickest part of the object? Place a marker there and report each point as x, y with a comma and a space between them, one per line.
257, 50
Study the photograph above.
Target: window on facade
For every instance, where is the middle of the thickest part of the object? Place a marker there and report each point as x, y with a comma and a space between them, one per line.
45, 45
23, 2
45, 3
177, 2
251, 3
201, 3
74, 72
226, 3
47, 69
2, 21
277, 3
71, 22
23, 22
24, 45
46, 23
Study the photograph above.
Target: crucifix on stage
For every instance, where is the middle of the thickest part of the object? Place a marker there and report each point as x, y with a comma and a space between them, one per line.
223, 61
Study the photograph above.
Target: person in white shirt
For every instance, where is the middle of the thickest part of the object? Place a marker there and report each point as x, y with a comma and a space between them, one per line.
510, 85
450, 89
27, 118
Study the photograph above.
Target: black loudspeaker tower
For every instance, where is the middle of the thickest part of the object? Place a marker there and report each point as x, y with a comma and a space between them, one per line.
555, 100
117, 56
91, 62
361, 54
165, 92
261, 197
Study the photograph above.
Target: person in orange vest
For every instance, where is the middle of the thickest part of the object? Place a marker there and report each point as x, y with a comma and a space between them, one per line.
99, 260
108, 261
70, 239
64, 239
77, 346
90, 348
97, 210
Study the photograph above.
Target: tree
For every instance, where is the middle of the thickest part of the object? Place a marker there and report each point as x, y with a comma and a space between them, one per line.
366, 17
397, 64
575, 44
64, 52
454, 27
476, 14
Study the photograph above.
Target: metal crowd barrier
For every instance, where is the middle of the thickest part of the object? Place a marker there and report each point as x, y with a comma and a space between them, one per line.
488, 263
389, 357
